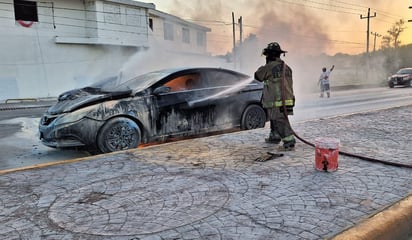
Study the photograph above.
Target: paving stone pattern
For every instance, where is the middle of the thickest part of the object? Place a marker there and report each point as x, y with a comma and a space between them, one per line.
211, 188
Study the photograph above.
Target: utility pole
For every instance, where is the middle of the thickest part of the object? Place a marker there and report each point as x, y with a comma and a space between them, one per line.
367, 30
367, 41
410, 7
240, 41
241, 30
234, 39
374, 40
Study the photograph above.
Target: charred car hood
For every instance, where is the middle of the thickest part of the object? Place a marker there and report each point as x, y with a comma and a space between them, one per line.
78, 98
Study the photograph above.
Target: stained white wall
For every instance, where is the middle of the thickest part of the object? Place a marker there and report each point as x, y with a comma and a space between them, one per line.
177, 44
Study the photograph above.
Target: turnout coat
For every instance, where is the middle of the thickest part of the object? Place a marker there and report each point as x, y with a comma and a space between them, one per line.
272, 74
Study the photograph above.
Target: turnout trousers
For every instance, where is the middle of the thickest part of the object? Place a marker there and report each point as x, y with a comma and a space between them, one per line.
279, 125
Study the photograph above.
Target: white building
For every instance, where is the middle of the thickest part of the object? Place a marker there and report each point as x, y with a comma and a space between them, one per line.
167, 30
48, 47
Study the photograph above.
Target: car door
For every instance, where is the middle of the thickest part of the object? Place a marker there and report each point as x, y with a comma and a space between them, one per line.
181, 111
227, 97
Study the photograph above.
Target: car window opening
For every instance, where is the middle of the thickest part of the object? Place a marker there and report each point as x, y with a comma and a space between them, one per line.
183, 83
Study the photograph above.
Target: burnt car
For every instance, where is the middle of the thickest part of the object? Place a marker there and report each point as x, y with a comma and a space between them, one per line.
114, 115
403, 77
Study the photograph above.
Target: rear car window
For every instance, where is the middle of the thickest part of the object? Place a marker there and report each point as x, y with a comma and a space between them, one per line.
222, 78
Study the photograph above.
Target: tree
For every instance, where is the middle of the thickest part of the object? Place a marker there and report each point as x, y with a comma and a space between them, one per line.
394, 33
386, 42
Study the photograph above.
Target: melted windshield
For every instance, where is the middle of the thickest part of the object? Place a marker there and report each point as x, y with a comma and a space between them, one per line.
106, 83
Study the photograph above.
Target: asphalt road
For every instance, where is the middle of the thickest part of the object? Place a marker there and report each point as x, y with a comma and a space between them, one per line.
20, 147
351, 101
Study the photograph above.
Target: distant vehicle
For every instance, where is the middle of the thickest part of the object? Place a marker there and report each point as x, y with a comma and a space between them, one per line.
112, 115
403, 77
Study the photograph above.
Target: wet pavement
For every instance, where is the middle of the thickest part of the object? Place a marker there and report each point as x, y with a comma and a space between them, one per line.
211, 188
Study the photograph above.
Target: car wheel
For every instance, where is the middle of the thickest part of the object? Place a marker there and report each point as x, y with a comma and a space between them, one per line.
253, 117
391, 85
118, 134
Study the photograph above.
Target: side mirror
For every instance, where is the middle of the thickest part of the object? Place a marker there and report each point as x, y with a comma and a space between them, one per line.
162, 89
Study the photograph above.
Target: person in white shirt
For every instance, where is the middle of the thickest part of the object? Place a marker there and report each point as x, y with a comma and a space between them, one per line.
324, 81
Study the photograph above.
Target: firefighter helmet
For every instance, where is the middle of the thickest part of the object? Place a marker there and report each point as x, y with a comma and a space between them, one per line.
272, 48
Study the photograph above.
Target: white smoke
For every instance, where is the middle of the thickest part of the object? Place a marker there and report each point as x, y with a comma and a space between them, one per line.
230, 90
157, 57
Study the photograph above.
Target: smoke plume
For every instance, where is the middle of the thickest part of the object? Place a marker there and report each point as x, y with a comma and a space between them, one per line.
297, 29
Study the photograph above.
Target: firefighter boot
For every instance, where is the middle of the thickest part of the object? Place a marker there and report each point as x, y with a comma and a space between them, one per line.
273, 138
288, 143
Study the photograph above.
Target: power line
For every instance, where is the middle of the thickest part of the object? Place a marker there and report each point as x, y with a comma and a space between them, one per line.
335, 6
73, 19
73, 9
320, 8
381, 12
84, 27
352, 11
348, 9
317, 5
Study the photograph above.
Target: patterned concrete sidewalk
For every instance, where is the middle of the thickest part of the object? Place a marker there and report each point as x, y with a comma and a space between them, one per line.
211, 188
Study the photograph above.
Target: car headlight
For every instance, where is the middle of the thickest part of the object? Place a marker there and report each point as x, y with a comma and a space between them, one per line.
74, 116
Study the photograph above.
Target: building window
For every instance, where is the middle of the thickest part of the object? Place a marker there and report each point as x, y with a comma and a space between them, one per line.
25, 10
151, 23
185, 35
168, 31
201, 38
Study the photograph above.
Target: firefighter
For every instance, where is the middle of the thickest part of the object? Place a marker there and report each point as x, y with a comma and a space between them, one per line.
278, 98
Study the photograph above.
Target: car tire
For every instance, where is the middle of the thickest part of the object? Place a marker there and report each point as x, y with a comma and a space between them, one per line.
118, 134
391, 85
253, 117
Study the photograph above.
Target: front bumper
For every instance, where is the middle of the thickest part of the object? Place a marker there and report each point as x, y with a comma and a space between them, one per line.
399, 82
74, 134
61, 143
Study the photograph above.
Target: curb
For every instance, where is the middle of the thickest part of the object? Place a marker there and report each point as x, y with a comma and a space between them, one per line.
394, 222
